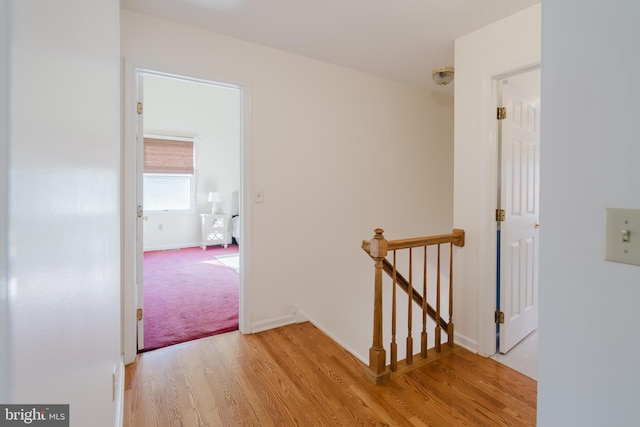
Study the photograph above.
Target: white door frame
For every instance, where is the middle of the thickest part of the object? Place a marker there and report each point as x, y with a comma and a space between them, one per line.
129, 205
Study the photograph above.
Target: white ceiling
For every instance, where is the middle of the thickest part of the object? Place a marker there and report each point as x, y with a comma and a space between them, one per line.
397, 39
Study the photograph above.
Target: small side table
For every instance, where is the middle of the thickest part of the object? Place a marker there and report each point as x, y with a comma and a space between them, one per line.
215, 230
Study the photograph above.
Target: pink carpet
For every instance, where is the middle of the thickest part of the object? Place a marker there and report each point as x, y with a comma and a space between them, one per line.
188, 294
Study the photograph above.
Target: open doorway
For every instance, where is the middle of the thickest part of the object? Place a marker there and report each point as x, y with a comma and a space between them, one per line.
188, 179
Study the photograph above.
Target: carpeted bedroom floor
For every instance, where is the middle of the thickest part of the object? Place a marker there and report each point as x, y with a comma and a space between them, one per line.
189, 294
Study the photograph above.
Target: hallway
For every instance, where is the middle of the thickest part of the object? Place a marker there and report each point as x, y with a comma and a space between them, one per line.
296, 375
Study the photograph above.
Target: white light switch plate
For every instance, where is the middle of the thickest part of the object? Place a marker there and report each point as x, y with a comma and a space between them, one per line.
621, 225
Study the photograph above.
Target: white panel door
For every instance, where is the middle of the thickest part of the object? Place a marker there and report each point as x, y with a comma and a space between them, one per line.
519, 192
140, 218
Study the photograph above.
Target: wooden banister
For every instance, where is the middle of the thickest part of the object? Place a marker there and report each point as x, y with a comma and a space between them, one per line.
456, 237
378, 248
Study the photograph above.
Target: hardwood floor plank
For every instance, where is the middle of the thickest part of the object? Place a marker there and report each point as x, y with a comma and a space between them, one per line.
297, 376
226, 383
319, 387
201, 403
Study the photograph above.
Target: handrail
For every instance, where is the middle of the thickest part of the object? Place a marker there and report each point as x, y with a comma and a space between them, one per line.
378, 248
456, 237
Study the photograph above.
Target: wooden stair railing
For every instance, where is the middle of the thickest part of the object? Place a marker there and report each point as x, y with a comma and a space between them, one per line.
378, 248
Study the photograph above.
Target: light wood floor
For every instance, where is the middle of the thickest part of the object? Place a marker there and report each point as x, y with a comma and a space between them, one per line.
297, 376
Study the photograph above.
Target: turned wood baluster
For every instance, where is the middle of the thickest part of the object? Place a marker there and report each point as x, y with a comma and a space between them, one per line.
409, 358
394, 345
424, 335
438, 329
377, 353
450, 324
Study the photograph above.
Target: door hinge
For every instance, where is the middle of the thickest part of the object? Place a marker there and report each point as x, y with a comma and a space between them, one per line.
502, 113
139, 314
499, 316
139, 108
139, 211
500, 215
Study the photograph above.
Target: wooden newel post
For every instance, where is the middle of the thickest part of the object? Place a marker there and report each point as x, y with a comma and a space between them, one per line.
377, 355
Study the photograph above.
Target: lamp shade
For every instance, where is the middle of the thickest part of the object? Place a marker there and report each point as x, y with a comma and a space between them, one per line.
214, 196
442, 75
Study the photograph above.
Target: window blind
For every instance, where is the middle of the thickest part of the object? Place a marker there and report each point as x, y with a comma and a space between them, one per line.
168, 156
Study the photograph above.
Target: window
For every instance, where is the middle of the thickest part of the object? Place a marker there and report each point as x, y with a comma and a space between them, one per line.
168, 181
167, 192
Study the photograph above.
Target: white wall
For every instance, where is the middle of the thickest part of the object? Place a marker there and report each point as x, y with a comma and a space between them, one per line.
64, 210
4, 189
336, 152
589, 350
212, 115
480, 57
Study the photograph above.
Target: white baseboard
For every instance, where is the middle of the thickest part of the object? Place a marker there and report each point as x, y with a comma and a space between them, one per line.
300, 316
465, 342
171, 247
273, 323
